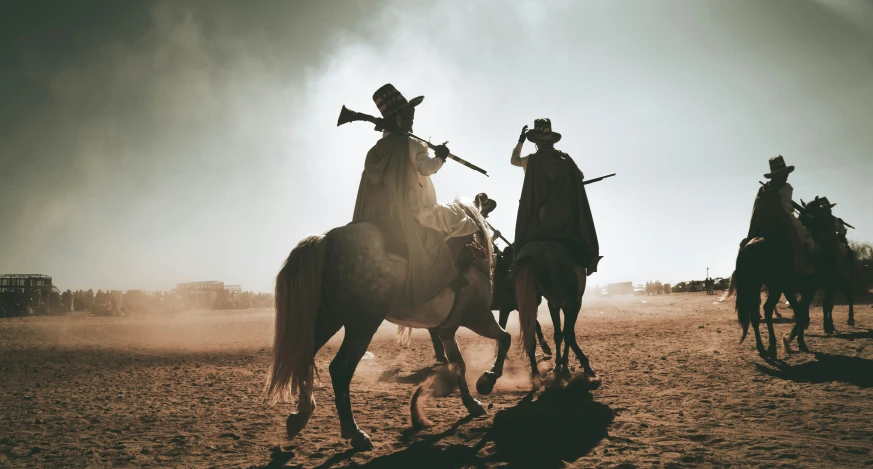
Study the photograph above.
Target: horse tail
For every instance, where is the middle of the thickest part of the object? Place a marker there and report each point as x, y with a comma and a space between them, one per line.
732, 287
298, 295
404, 335
526, 296
747, 284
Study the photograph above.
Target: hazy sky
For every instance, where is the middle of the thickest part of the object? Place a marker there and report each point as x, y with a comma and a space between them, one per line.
149, 143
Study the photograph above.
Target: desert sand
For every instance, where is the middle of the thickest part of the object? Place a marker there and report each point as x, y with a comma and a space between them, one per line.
678, 390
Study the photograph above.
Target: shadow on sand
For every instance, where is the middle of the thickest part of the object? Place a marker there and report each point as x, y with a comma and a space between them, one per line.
826, 368
868, 334
563, 424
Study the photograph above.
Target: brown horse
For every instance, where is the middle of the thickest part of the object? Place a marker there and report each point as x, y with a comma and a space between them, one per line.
547, 268
347, 279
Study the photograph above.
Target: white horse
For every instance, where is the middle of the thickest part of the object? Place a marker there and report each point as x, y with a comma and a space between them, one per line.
346, 278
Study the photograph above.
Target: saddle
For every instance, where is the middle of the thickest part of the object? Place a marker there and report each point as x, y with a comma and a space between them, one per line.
465, 250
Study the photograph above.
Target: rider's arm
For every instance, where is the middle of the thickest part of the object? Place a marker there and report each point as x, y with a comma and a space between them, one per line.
517, 159
785, 195
425, 164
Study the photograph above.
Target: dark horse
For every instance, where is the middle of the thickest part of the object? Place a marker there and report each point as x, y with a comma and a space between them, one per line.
835, 265
547, 268
770, 261
503, 301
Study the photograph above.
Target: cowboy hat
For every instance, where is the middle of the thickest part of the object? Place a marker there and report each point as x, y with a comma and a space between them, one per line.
542, 132
777, 166
389, 100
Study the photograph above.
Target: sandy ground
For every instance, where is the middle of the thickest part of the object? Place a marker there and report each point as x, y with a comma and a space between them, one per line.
678, 390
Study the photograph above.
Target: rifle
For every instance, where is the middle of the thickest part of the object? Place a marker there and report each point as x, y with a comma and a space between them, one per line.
591, 181
501, 234
347, 115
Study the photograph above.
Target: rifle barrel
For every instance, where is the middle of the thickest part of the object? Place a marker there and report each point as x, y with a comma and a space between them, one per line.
585, 183
347, 115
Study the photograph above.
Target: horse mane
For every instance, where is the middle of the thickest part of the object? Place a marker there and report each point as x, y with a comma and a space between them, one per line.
482, 236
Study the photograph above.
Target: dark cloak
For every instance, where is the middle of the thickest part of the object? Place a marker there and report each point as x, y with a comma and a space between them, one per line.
771, 221
554, 206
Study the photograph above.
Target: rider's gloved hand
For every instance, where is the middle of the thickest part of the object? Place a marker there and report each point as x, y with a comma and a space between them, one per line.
441, 151
523, 134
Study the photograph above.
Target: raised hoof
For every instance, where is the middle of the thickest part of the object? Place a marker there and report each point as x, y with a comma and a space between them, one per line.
296, 422
360, 441
476, 409
803, 348
442, 360
486, 382
851, 321
547, 352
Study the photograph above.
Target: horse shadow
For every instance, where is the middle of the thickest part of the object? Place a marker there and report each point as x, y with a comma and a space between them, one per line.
826, 368
563, 424
868, 334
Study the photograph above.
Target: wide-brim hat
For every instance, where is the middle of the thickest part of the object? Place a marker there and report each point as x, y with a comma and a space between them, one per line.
821, 203
542, 132
484, 204
389, 100
777, 166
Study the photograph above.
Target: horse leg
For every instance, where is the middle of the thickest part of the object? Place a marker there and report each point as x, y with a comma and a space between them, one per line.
850, 298
769, 308
342, 368
827, 308
555, 313
547, 351
801, 320
504, 318
325, 328
438, 350
484, 325
526, 296
456, 364
571, 312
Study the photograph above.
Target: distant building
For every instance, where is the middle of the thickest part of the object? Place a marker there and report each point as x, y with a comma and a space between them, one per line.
622, 288
211, 285
26, 282
233, 288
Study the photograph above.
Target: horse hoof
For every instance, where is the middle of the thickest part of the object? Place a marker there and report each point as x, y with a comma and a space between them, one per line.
361, 441
442, 360
771, 353
786, 344
476, 409
803, 348
536, 382
547, 352
296, 422
851, 321
486, 382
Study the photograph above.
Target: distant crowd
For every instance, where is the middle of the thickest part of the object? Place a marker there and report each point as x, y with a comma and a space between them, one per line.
116, 303
658, 288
